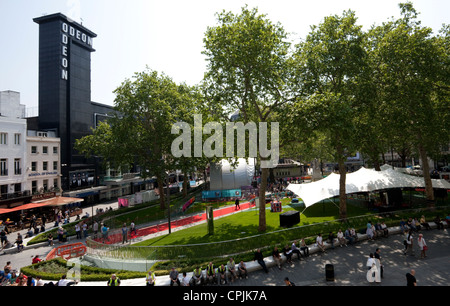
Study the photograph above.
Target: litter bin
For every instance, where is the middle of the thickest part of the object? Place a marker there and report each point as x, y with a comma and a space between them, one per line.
329, 272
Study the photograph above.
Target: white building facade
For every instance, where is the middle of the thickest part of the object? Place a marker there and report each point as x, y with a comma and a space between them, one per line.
12, 155
13, 131
43, 162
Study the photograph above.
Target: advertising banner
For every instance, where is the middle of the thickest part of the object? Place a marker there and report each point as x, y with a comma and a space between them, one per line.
188, 204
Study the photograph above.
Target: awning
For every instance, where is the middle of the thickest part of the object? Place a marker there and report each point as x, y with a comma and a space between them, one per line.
57, 201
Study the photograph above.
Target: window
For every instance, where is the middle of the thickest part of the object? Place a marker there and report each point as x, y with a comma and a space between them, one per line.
17, 139
17, 168
4, 189
34, 186
33, 150
45, 185
33, 166
44, 166
55, 150
44, 150
3, 138
55, 183
3, 167
55, 165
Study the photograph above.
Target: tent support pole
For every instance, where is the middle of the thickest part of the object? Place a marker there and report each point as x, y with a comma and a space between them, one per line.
303, 211
333, 203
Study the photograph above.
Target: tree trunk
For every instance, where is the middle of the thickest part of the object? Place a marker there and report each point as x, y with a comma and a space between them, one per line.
162, 197
262, 199
377, 165
342, 178
427, 177
342, 194
185, 184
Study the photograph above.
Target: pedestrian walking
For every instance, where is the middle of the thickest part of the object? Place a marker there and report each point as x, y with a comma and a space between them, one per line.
409, 243
288, 282
370, 261
124, 233
133, 230
422, 244
377, 255
104, 231
19, 242
114, 281
411, 280
95, 228
4, 238
78, 230
236, 205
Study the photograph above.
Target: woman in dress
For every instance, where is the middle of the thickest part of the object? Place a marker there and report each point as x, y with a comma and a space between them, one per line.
422, 246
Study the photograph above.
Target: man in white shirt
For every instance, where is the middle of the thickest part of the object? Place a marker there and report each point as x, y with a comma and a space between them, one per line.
341, 238
133, 228
65, 282
78, 230
319, 242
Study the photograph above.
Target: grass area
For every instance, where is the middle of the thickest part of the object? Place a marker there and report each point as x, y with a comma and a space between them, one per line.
245, 224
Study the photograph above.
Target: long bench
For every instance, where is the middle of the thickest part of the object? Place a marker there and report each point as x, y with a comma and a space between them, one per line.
253, 266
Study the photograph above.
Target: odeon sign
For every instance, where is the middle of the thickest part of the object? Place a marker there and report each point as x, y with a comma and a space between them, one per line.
70, 31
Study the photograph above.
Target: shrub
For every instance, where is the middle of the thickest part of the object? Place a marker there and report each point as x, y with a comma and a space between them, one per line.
53, 269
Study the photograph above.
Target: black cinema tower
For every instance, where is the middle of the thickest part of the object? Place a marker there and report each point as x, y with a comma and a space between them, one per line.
65, 105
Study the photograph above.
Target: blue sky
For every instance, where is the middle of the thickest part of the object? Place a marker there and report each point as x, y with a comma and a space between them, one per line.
165, 35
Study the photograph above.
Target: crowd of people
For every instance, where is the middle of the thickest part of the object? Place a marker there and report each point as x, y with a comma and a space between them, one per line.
411, 227
211, 275
225, 274
11, 277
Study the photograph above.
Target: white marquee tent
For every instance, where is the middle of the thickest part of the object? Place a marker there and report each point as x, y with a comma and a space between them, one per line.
363, 180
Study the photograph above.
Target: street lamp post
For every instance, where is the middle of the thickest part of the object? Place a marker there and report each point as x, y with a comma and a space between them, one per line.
168, 205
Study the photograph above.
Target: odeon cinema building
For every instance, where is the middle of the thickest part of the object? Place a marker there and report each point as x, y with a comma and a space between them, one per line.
65, 107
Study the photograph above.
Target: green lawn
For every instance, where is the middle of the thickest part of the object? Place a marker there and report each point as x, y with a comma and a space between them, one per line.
245, 224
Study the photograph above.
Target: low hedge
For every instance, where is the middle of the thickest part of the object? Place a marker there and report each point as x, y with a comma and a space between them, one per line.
46, 270
188, 265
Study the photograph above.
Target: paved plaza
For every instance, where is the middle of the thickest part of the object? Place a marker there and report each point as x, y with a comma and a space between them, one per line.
350, 264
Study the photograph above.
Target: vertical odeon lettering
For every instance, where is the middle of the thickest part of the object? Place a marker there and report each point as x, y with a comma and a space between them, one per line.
64, 61
68, 30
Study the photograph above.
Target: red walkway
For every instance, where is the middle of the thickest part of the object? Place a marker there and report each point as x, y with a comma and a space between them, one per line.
117, 238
